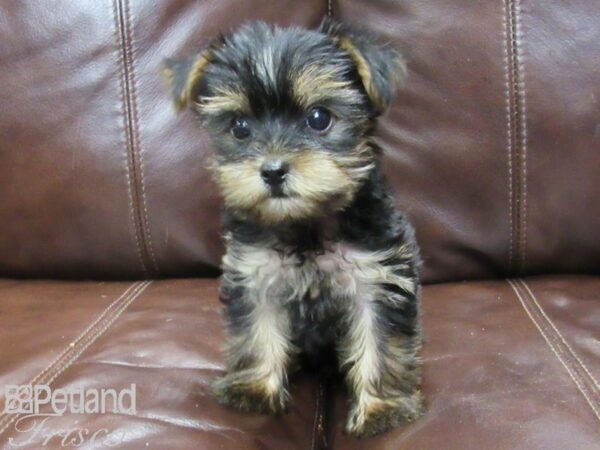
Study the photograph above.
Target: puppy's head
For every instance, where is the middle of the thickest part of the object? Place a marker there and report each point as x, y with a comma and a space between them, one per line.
290, 112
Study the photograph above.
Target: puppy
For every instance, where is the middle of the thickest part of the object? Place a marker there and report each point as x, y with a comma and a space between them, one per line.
317, 256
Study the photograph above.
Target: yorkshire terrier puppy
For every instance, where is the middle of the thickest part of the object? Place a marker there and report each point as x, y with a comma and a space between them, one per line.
317, 256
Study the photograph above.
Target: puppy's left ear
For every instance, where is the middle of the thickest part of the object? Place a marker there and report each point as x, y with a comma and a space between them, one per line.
381, 69
184, 76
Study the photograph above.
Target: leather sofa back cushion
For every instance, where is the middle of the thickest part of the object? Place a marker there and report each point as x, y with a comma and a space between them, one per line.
99, 177
492, 148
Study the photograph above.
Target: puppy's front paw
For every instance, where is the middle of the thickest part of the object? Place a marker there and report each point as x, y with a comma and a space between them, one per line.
373, 415
251, 396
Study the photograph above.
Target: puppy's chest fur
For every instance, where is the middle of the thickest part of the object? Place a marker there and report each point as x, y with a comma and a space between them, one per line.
283, 275
316, 279
313, 285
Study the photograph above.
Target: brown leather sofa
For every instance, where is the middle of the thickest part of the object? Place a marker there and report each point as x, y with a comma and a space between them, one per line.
492, 148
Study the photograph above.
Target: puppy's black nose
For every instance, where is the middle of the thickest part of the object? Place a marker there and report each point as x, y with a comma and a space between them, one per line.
273, 171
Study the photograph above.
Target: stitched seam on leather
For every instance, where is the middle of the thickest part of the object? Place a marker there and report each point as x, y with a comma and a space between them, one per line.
575, 376
125, 111
83, 341
123, 45
5, 417
515, 114
556, 350
53, 366
509, 132
561, 337
83, 333
521, 89
517, 138
135, 127
318, 422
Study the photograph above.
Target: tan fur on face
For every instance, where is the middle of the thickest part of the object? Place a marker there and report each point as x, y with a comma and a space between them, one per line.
316, 83
224, 99
317, 176
244, 190
316, 179
241, 184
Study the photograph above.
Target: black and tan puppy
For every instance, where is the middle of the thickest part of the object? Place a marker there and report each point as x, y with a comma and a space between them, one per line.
317, 256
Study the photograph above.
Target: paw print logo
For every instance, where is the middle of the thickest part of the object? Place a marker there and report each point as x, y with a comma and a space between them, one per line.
19, 399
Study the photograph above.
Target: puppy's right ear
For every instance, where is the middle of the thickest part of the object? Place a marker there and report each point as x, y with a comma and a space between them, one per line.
184, 76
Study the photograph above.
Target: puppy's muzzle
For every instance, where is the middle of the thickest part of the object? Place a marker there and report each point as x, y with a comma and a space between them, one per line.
274, 171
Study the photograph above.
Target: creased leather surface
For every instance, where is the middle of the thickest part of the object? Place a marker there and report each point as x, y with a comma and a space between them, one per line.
98, 176
490, 378
492, 144
167, 342
490, 147
571, 306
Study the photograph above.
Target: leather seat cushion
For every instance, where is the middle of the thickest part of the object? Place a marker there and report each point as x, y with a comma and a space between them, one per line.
507, 364
164, 337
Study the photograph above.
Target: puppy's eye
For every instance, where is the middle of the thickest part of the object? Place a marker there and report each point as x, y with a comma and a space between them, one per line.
319, 119
240, 128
